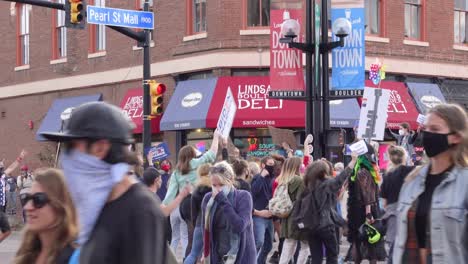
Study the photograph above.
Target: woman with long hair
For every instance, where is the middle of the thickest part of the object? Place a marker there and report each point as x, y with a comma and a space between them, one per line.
324, 187
290, 179
432, 222
186, 174
390, 189
51, 221
227, 220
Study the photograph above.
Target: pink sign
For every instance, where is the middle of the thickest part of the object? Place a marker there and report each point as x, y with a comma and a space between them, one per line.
383, 156
286, 71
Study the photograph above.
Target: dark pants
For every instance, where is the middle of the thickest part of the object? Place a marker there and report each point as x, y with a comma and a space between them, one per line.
3, 208
326, 237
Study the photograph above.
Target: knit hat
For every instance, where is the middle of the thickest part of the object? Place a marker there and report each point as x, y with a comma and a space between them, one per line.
224, 170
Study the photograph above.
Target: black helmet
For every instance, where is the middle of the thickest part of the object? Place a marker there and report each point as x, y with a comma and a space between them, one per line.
96, 120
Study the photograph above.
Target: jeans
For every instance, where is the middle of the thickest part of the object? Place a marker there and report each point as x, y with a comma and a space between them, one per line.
326, 237
263, 231
179, 231
289, 249
11, 200
197, 246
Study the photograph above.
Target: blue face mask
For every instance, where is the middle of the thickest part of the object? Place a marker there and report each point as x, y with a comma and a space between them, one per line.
226, 190
90, 181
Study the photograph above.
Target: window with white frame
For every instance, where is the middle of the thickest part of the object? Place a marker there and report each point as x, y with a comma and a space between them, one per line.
23, 13
199, 16
460, 17
413, 13
372, 17
60, 34
97, 33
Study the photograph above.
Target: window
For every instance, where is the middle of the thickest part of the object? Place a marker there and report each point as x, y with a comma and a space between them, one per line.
257, 13
460, 16
59, 34
141, 3
196, 14
373, 12
97, 33
413, 19
22, 32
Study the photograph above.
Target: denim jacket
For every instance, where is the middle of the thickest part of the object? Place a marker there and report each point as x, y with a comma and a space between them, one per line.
448, 216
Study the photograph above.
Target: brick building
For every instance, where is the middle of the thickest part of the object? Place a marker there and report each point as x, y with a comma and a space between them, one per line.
419, 41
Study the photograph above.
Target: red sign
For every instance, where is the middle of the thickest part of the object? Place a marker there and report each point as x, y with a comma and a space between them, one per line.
254, 108
401, 107
132, 105
286, 71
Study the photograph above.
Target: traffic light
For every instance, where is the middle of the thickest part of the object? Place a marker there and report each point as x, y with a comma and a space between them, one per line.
156, 93
75, 13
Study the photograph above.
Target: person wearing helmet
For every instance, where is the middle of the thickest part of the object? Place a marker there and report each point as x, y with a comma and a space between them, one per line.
120, 220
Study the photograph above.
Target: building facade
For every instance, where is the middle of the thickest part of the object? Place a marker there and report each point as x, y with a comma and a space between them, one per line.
43, 63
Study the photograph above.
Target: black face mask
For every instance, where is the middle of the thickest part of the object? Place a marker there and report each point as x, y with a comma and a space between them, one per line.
270, 169
435, 143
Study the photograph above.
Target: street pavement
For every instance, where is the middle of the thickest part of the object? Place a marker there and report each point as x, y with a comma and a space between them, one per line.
9, 247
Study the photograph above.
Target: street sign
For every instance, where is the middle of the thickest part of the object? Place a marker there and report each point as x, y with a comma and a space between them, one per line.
346, 93
120, 17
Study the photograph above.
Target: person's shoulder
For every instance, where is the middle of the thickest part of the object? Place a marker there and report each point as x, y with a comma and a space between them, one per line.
139, 197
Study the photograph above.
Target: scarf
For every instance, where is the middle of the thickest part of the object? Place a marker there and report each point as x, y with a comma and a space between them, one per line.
90, 181
234, 239
364, 163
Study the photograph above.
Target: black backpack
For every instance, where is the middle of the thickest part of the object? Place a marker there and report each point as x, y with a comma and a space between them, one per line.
306, 213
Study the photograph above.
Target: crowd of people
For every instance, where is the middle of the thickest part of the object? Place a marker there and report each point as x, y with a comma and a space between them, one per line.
215, 208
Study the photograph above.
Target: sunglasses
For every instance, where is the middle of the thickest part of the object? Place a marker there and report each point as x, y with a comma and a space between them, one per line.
217, 170
39, 199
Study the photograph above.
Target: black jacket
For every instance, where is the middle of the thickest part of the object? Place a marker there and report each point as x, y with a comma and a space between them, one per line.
197, 198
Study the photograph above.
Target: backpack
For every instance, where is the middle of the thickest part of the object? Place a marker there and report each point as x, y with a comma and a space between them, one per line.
281, 205
307, 214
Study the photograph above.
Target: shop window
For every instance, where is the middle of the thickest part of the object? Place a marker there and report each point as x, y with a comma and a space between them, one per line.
97, 33
373, 16
460, 16
256, 13
59, 34
22, 34
196, 16
413, 19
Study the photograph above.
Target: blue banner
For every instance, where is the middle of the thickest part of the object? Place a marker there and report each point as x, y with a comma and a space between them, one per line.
159, 152
348, 71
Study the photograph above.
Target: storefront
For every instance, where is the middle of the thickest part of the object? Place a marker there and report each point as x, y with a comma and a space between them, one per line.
196, 104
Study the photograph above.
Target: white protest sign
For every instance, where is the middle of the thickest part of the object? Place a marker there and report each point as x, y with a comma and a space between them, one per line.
360, 148
373, 113
421, 119
226, 118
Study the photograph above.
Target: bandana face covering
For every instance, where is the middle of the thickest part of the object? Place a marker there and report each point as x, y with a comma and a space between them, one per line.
90, 181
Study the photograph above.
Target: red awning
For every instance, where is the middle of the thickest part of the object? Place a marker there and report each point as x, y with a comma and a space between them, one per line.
254, 109
132, 104
401, 107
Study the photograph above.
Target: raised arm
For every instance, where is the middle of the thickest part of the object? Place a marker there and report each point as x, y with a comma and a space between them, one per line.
16, 163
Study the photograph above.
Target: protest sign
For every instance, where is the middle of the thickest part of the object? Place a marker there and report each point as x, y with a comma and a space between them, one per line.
360, 148
226, 118
279, 136
374, 114
421, 119
160, 152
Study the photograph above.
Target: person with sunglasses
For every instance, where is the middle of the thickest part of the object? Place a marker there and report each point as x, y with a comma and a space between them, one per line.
227, 220
51, 226
114, 211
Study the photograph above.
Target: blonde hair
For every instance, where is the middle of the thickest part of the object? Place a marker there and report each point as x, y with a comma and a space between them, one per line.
66, 228
203, 175
456, 119
290, 168
224, 172
397, 156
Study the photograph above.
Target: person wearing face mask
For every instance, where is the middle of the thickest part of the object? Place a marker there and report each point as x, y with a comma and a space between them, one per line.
262, 192
164, 168
432, 222
114, 212
406, 138
51, 226
227, 222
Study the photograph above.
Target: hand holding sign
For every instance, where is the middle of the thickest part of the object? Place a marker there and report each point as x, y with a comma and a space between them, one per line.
226, 118
359, 148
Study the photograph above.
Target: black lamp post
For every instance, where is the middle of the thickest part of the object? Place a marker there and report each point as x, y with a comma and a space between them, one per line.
317, 97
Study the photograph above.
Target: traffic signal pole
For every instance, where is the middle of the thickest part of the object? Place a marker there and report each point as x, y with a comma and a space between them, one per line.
144, 38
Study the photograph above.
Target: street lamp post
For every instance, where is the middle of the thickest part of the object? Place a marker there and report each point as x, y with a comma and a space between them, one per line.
316, 96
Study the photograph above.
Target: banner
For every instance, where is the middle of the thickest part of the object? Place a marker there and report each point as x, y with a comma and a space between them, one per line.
373, 114
348, 62
286, 70
160, 152
226, 118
